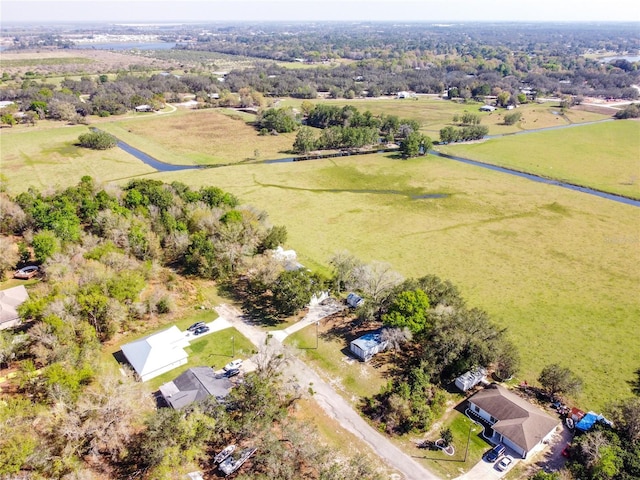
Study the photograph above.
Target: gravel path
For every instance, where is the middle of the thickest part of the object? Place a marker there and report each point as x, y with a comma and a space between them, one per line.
333, 404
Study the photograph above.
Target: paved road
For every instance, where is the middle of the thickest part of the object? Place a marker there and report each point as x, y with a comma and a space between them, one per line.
334, 405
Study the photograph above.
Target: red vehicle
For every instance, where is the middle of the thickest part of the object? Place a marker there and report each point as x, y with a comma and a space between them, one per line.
565, 450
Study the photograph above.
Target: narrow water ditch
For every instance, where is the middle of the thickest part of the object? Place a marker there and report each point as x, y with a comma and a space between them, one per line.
166, 167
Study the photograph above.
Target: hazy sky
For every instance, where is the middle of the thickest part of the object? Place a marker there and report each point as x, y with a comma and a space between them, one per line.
272, 10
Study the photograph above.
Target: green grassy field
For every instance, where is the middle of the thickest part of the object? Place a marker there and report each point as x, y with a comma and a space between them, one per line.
200, 137
558, 269
604, 156
45, 158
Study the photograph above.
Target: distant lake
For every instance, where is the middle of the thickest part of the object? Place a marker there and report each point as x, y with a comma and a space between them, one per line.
128, 46
629, 58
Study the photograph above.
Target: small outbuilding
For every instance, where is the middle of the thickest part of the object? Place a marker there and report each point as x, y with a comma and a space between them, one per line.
487, 108
470, 379
195, 385
10, 300
354, 301
368, 345
157, 353
144, 108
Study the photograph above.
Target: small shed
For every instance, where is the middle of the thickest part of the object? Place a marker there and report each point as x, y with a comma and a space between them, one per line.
368, 345
470, 379
354, 301
487, 108
144, 108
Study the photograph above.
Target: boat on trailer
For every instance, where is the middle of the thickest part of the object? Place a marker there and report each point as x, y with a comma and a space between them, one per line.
224, 454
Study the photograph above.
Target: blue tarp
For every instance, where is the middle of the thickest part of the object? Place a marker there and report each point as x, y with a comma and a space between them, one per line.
588, 421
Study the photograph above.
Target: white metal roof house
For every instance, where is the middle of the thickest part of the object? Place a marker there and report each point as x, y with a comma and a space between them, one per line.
470, 379
368, 345
514, 421
10, 300
195, 385
157, 353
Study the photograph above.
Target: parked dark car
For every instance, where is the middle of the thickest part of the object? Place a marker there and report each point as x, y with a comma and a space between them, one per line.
26, 272
232, 373
196, 325
201, 330
495, 453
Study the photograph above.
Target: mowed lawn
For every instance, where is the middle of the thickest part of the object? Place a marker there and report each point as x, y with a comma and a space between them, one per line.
604, 156
557, 268
200, 137
45, 158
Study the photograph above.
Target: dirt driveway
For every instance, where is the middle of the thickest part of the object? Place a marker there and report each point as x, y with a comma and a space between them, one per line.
333, 404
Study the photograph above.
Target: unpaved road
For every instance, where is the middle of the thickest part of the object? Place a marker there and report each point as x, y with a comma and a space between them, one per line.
333, 404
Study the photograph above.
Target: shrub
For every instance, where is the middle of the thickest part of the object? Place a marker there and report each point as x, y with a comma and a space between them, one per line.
97, 140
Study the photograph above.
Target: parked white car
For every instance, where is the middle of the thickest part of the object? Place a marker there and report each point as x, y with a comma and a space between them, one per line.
504, 463
233, 364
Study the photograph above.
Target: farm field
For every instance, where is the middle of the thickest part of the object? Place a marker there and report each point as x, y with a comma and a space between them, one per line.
557, 268
604, 156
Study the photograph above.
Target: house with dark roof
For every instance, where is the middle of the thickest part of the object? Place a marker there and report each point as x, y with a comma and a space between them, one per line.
514, 421
195, 385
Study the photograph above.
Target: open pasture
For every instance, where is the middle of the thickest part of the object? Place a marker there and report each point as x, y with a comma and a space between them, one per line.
557, 268
604, 156
434, 113
45, 158
200, 137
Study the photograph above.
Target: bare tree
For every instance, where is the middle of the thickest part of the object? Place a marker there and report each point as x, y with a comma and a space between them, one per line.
345, 266
376, 281
396, 337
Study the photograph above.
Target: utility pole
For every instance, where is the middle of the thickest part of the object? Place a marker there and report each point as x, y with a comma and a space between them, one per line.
468, 439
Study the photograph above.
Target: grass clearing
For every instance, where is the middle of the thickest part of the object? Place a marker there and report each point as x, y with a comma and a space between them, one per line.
464, 432
558, 268
45, 158
347, 375
200, 137
604, 156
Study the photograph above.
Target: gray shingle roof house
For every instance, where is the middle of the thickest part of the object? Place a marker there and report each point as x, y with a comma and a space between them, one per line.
195, 385
516, 423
